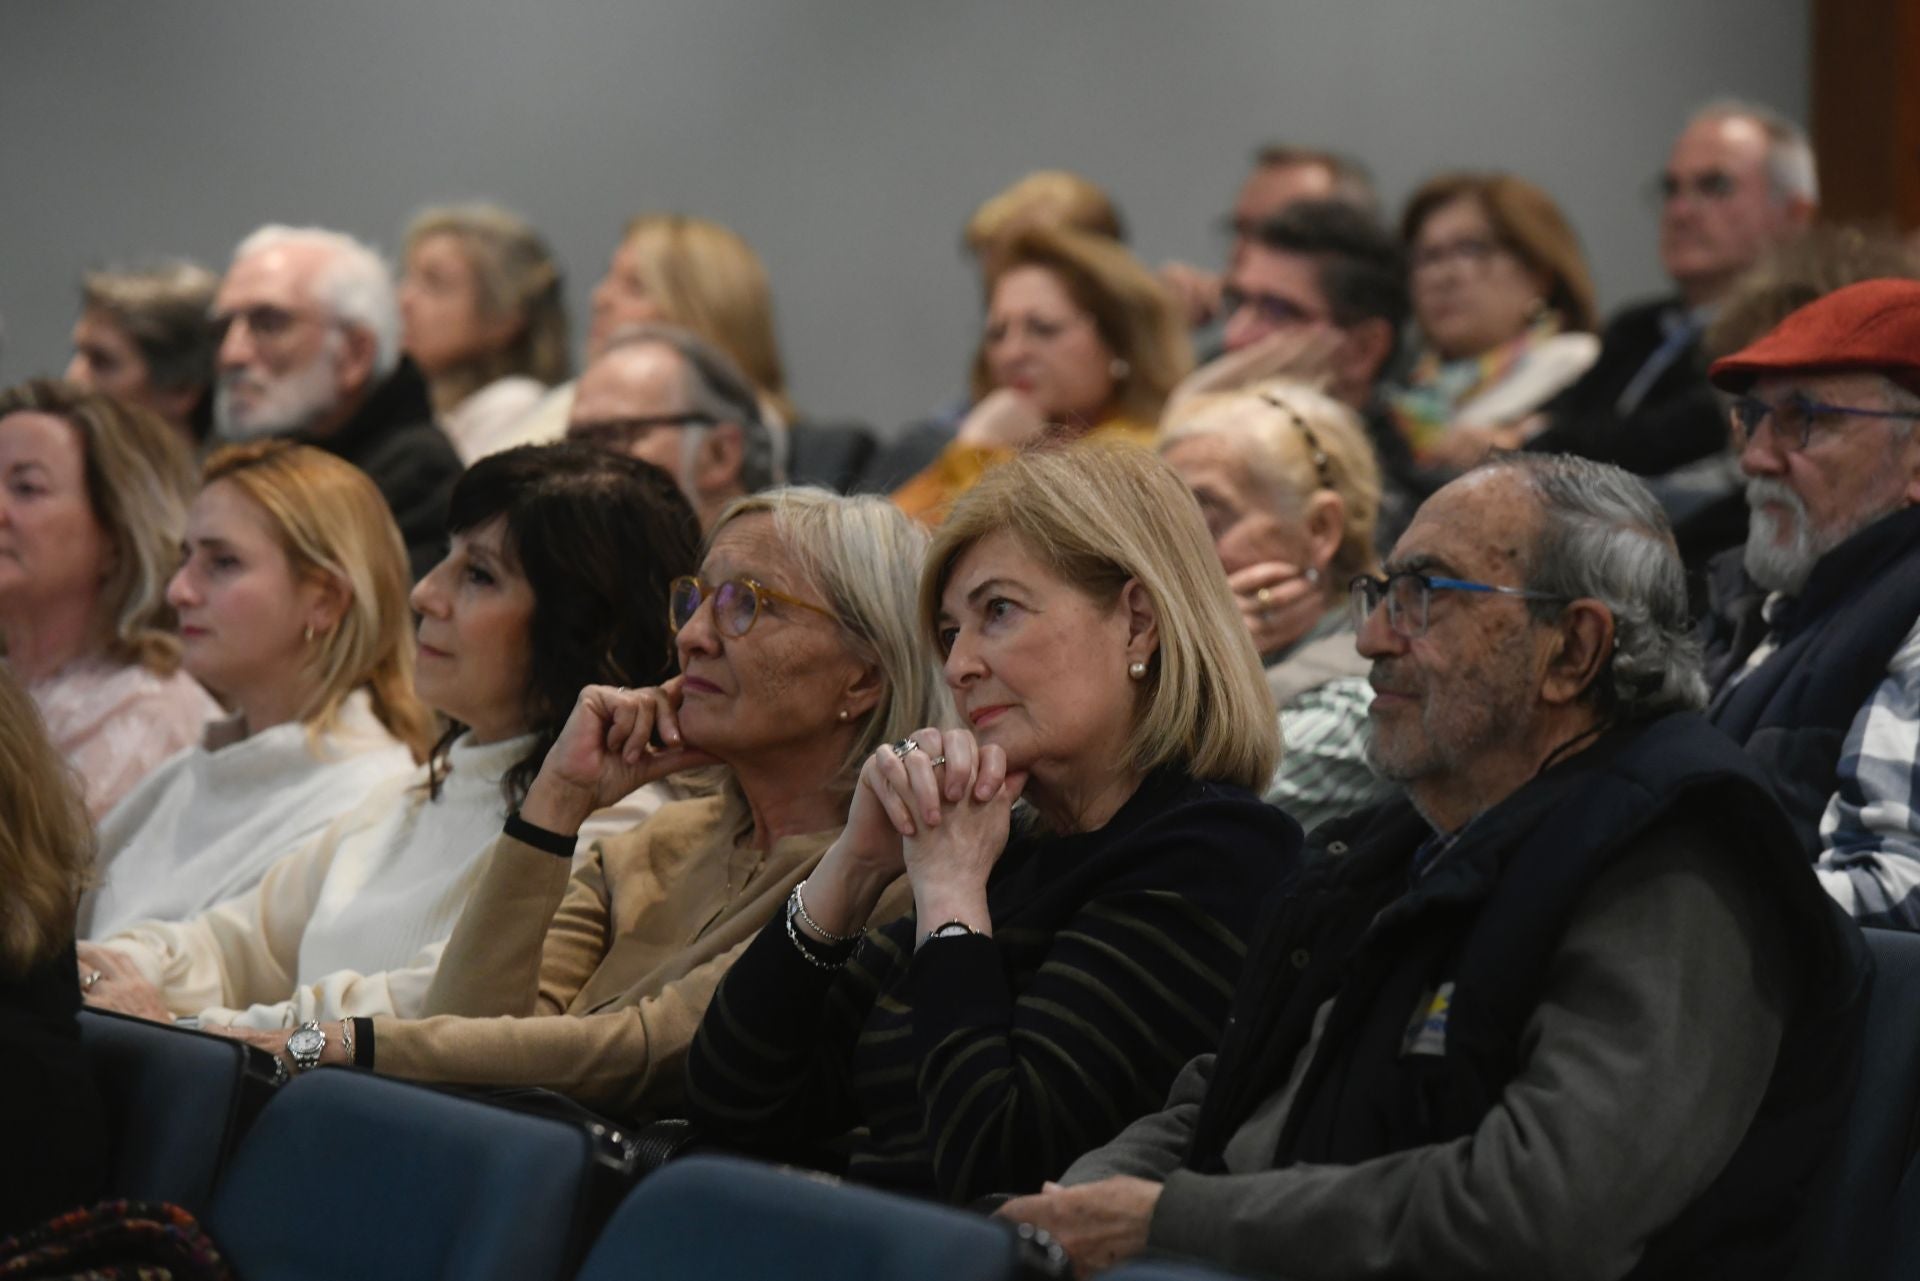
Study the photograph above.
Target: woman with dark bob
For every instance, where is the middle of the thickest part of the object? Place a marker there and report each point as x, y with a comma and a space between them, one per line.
1066, 953
557, 579
1504, 307
798, 656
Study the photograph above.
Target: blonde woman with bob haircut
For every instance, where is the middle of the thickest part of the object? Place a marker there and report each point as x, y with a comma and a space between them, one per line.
1081, 342
1288, 485
293, 609
1062, 960
485, 317
798, 657
55, 1125
93, 501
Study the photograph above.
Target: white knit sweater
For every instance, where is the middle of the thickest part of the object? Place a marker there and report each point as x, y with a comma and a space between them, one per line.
353, 922
207, 824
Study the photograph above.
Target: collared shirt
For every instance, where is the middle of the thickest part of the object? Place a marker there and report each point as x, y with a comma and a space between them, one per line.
1870, 833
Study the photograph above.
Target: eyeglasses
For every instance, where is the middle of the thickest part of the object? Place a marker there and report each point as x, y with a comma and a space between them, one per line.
618, 434
736, 603
1272, 308
1711, 185
1409, 593
1468, 251
267, 323
1796, 418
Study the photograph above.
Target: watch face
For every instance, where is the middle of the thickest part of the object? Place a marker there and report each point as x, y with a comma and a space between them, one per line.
307, 1043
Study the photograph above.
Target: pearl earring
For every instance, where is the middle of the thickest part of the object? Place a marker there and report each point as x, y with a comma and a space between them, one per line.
1137, 670
843, 713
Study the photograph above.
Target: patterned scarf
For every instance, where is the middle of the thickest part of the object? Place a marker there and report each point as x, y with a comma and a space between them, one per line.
1437, 389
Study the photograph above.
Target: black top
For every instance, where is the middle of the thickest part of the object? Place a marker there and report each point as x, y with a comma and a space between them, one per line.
978, 1064
394, 440
50, 1112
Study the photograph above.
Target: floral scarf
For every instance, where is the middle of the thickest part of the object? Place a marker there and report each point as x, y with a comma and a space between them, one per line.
1437, 389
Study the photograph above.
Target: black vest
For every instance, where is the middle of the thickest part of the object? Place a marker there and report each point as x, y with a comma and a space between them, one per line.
1488, 918
1792, 712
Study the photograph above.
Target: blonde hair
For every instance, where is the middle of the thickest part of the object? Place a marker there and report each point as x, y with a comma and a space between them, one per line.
864, 555
331, 521
46, 842
708, 280
1269, 425
516, 277
1132, 311
1044, 198
1097, 516
139, 477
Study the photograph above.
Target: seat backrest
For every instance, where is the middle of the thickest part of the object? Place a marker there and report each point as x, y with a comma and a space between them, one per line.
1847, 1222
177, 1102
725, 1219
830, 454
347, 1174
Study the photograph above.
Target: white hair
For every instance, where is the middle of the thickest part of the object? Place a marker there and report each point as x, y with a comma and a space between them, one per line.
355, 284
1790, 161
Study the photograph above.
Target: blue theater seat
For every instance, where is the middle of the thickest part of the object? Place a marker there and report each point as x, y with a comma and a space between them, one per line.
177, 1104
349, 1175
712, 1218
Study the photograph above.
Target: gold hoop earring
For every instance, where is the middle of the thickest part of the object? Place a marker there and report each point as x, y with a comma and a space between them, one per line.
306, 636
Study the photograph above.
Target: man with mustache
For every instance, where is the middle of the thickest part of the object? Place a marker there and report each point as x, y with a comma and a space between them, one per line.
1576, 1006
1814, 652
309, 347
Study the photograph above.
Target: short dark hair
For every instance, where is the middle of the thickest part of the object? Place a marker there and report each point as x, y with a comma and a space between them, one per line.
600, 538
1360, 266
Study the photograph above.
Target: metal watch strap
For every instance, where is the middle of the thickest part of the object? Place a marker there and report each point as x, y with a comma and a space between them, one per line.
307, 1060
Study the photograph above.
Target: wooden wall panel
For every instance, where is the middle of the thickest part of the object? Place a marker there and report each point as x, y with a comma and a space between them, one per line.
1866, 109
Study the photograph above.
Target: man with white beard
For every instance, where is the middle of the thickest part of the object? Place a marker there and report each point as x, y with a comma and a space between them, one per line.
1813, 648
309, 347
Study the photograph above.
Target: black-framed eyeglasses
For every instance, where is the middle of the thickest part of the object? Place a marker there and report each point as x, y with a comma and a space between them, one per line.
618, 434
1409, 593
1797, 417
1472, 252
736, 603
1271, 308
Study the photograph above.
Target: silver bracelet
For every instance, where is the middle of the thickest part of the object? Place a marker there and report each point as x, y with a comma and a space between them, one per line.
800, 906
806, 949
346, 1039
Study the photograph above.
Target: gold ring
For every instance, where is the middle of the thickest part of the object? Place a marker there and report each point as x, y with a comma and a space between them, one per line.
1264, 595
938, 760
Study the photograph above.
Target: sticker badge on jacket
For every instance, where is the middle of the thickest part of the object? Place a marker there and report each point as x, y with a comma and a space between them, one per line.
1427, 1032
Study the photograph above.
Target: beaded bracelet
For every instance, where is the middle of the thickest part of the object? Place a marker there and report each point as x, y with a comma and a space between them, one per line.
800, 906
811, 951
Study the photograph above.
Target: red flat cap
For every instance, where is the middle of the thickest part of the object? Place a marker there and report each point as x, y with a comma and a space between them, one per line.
1874, 325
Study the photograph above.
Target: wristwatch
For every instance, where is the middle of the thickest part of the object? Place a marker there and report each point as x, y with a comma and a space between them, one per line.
305, 1046
951, 930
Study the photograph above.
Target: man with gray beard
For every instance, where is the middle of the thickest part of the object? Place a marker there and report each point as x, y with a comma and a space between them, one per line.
309, 347
1814, 652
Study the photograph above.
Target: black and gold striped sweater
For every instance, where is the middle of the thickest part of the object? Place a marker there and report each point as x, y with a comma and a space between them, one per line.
988, 1064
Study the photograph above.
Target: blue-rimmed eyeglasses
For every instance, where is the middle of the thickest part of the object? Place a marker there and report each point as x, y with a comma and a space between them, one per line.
1408, 594
1796, 418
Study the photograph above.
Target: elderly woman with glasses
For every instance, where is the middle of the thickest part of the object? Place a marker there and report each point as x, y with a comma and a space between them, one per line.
797, 658
1290, 491
1504, 307
1067, 953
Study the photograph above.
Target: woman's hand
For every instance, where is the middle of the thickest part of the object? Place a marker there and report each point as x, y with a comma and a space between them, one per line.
606, 750
1304, 353
109, 980
1278, 602
1004, 419
957, 798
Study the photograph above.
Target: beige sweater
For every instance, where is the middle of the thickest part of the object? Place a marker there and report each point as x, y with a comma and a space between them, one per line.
593, 984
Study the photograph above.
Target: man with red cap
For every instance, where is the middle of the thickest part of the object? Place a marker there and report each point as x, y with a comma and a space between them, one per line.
1813, 648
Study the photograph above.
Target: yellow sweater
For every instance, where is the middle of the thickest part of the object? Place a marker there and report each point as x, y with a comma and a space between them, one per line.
928, 496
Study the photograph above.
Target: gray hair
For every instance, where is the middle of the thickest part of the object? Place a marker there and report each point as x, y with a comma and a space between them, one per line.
864, 555
1604, 537
355, 284
1790, 162
716, 389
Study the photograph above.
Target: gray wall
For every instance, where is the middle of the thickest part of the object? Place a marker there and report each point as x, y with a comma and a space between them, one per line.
846, 139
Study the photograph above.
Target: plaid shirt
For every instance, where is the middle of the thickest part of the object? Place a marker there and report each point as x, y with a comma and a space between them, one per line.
1870, 834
